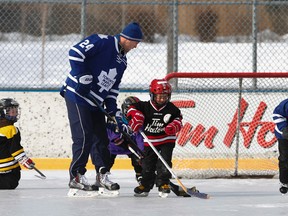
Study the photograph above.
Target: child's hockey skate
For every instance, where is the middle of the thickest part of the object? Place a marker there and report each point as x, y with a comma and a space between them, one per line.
164, 191
141, 191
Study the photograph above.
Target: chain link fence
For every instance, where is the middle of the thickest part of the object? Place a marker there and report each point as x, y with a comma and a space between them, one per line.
179, 35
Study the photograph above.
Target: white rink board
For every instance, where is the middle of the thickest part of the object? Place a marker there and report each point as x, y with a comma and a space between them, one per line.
219, 115
45, 129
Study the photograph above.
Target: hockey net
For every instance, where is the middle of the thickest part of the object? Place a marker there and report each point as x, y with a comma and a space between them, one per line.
228, 128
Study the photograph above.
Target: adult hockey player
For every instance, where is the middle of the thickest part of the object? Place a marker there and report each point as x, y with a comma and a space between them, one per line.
280, 118
160, 120
11, 151
97, 66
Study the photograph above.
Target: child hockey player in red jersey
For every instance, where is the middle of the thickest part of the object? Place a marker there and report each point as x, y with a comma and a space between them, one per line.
11, 151
160, 120
119, 146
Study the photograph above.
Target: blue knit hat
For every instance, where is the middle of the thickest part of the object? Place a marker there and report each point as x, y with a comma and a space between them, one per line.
132, 32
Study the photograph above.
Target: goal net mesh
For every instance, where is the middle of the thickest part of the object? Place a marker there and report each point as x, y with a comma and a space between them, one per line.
228, 128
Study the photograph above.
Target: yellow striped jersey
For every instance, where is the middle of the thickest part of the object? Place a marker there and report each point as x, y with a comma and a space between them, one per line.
10, 148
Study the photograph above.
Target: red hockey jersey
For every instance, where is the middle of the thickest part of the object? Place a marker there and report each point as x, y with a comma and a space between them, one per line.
156, 120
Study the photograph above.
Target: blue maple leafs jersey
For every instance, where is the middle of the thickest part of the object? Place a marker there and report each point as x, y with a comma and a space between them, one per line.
97, 55
280, 115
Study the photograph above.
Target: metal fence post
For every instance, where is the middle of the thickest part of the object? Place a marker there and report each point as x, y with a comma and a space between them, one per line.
83, 18
172, 45
254, 33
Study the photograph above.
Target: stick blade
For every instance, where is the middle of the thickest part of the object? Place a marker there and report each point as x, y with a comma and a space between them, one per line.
198, 194
41, 175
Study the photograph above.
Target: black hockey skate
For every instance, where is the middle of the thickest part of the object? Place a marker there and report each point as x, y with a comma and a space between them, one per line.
141, 191
164, 190
283, 188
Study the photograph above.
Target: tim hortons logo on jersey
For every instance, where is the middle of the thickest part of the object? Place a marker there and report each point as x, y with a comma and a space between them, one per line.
155, 126
247, 130
107, 80
166, 118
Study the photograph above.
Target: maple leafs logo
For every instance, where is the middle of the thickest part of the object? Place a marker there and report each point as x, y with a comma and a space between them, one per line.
107, 80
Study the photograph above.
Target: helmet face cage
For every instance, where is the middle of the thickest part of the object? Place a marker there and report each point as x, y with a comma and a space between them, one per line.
160, 86
9, 109
127, 102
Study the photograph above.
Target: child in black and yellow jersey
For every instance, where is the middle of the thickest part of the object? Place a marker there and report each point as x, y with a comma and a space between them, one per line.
11, 151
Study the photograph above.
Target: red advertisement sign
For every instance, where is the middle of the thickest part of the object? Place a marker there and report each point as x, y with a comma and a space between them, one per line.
199, 134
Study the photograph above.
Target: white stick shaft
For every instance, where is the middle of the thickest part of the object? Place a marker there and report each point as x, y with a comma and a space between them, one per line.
163, 161
158, 154
132, 150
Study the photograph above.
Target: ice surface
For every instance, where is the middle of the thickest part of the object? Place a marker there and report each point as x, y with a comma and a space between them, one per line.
36, 197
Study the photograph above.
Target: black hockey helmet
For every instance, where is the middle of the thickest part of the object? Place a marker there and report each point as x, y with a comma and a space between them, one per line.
127, 102
9, 109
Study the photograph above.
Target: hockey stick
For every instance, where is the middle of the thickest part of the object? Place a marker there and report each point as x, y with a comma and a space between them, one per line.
134, 152
187, 190
41, 175
126, 135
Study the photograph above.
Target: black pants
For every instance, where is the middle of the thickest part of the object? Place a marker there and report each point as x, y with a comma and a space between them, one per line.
10, 180
283, 160
89, 135
152, 165
134, 161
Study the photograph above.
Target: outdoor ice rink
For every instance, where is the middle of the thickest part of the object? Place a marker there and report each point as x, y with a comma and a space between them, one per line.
36, 197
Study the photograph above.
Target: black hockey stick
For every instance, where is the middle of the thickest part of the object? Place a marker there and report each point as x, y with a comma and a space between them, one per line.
186, 190
41, 175
126, 135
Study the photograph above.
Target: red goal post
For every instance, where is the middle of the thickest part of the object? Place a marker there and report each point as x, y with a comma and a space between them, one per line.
228, 128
